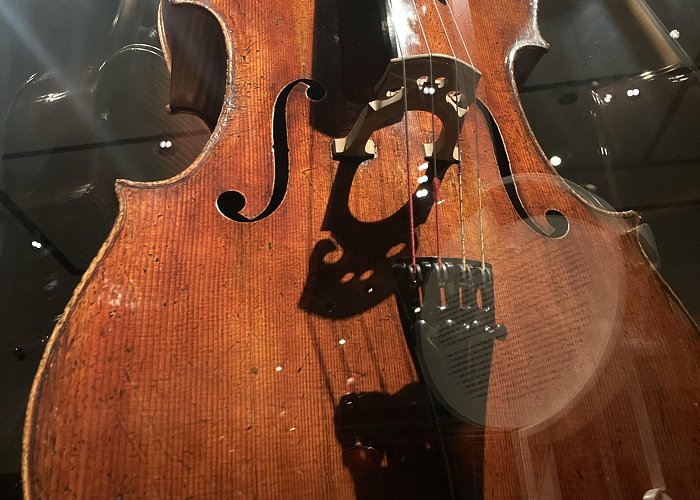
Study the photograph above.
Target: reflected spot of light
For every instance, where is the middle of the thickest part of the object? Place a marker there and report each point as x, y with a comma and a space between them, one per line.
51, 97
632, 93
36, 244
555, 161
607, 98
25, 33
678, 78
403, 20
422, 193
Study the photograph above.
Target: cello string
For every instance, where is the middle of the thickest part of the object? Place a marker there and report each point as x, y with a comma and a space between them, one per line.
412, 232
411, 218
436, 195
476, 143
462, 238
431, 94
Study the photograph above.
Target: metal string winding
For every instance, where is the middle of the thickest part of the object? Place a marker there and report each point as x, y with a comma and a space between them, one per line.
476, 145
459, 142
436, 180
411, 220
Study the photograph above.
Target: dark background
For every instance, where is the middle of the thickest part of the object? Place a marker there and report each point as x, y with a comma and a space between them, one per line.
60, 153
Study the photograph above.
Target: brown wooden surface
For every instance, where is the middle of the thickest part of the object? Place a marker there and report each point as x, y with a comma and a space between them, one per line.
201, 357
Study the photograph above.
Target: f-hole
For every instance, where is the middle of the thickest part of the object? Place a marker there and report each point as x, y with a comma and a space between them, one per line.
231, 203
556, 220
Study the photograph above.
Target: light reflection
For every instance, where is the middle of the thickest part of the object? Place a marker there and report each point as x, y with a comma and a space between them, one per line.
422, 193
51, 97
51, 285
403, 18
555, 161
81, 190
631, 93
26, 35
607, 98
116, 19
678, 78
36, 244
28, 38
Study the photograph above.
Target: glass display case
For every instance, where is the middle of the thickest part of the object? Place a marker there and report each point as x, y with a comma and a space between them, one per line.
86, 91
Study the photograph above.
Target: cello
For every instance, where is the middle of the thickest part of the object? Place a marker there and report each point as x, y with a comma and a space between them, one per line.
342, 297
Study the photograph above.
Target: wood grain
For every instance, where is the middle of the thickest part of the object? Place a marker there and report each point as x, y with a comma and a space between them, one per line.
206, 358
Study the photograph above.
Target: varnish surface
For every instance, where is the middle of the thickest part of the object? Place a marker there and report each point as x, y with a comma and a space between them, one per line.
203, 357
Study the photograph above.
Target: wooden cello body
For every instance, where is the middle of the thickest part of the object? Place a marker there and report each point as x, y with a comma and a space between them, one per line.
275, 351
